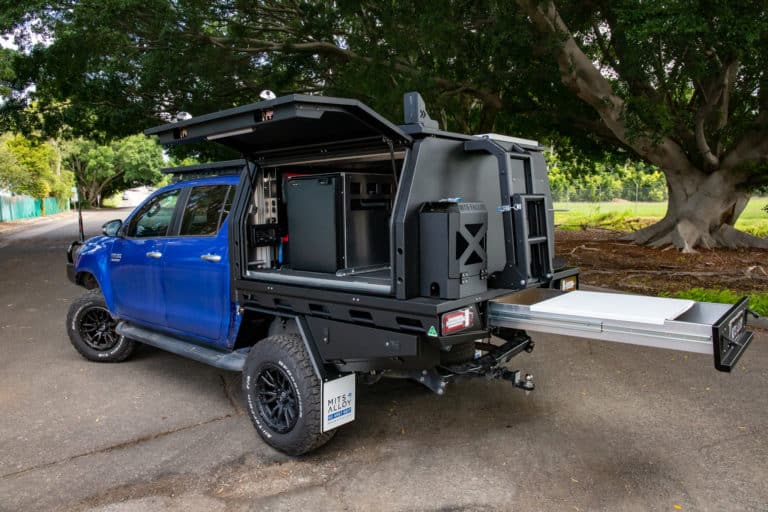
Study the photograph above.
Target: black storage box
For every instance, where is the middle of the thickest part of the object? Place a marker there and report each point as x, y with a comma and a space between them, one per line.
339, 221
452, 249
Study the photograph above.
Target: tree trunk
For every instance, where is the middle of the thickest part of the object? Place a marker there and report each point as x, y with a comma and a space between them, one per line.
703, 207
488, 118
701, 212
90, 195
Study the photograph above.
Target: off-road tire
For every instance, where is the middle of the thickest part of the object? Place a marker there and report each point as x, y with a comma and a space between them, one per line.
285, 353
92, 303
460, 353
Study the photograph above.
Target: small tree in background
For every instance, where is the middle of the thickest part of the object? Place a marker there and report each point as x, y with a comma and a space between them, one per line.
31, 167
102, 170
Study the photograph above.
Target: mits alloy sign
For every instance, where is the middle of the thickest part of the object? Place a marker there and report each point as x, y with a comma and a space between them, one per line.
338, 402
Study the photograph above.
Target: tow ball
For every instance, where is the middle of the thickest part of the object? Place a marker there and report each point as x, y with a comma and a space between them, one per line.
518, 379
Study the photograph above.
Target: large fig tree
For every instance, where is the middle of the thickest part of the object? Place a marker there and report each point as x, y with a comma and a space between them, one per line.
680, 83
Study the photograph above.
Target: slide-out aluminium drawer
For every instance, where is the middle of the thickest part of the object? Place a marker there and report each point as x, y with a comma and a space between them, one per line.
705, 328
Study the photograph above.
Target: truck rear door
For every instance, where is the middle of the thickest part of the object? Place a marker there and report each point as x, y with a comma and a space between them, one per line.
196, 266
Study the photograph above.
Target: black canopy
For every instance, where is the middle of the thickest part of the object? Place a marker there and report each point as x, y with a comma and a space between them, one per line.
284, 123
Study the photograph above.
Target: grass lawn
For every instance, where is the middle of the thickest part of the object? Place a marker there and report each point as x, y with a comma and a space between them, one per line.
758, 301
628, 216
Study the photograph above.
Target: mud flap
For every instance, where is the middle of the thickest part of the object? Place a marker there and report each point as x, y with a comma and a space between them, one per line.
338, 402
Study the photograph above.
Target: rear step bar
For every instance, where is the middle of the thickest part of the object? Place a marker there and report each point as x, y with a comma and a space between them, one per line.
705, 328
231, 361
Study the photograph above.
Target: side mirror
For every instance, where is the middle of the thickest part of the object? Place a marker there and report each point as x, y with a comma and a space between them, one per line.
112, 227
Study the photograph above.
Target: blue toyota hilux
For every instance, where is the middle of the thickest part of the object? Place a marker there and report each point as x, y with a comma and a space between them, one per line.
343, 248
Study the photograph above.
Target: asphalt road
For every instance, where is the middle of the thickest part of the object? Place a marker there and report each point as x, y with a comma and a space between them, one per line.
609, 427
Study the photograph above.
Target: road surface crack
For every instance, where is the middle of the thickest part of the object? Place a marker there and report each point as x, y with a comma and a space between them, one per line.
118, 446
233, 401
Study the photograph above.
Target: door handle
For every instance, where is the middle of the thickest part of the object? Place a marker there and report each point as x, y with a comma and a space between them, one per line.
154, 254
215, 258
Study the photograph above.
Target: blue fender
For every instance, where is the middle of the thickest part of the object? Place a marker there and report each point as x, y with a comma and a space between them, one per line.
93, 258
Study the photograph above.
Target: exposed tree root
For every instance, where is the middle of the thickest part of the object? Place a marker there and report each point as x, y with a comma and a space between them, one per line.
729, 236
661, 242
651, 233
583, 247
686, 236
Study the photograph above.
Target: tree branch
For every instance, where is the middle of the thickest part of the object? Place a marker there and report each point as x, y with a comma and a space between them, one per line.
728, 81
604, 49
752, 148
715, 95
710, 159
578, 73
109, 180
490, 98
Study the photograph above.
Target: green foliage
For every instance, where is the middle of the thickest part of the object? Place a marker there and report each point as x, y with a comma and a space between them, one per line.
32, 167
11, 173
120, 62
604, 179
758, 300
115, 66
753, 227
7, 75
34, 161
100, 170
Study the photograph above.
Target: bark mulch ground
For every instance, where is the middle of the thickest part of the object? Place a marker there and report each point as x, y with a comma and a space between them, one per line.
607, 260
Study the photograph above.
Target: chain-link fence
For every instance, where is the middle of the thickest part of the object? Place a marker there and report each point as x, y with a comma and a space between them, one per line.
632, 207
600, 194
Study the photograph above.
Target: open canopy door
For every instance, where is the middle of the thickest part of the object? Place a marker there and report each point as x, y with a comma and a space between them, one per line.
286, 123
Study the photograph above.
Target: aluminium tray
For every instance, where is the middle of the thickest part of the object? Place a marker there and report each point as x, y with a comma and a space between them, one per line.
704, 328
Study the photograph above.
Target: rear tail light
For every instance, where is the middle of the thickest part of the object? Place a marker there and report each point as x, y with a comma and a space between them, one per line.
459, 320
569, 283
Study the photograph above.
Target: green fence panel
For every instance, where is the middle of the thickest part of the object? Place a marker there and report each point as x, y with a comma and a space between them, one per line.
5, 209
54, 205
23, 207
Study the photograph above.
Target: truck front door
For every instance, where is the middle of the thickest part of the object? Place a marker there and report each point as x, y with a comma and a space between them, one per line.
196, 267
136, 261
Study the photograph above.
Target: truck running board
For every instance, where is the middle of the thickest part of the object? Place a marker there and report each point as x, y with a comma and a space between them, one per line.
231, 361
701, 327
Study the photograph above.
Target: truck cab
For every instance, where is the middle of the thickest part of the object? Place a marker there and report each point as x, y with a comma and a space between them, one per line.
342, 245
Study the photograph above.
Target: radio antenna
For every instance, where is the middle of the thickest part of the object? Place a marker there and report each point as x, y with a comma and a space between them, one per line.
80, 217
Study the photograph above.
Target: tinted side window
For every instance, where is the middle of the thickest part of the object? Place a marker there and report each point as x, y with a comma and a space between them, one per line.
204, 211
154, 218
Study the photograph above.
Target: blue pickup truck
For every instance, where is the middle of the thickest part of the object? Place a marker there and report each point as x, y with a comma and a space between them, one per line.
342, 249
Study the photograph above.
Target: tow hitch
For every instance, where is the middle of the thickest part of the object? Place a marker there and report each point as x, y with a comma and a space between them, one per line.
488, 365
517, 378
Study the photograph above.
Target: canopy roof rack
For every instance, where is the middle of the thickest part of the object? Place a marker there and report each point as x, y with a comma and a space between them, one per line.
186, 172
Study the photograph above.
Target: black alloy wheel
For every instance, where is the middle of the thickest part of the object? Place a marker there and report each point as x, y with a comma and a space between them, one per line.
91, 330
283, 395
278, 404
97, 328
